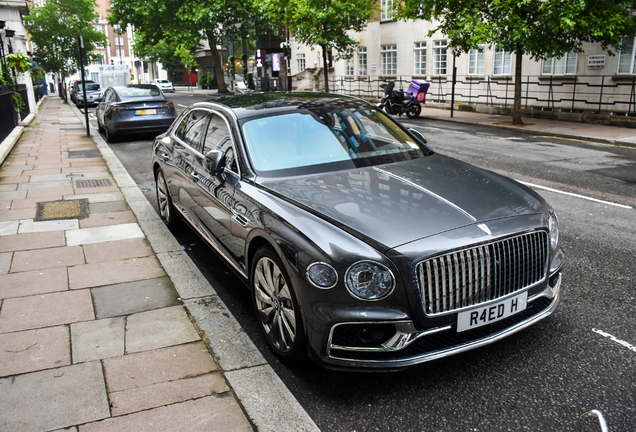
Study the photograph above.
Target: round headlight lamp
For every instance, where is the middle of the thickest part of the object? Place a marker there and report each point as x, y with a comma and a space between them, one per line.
369, 280
553, 225
322, 275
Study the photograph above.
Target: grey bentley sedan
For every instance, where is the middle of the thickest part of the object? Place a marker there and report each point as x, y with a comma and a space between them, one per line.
361, 247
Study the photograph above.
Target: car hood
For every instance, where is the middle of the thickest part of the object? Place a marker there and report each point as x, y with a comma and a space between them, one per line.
399, 203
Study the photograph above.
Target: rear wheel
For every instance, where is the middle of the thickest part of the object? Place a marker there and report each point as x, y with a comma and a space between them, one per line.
110, 137
166, 208
415, 111
276, 307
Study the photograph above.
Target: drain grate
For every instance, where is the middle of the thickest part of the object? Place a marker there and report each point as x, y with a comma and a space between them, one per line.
92, 183
61, 210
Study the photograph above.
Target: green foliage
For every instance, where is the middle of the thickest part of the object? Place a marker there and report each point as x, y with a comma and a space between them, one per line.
54, 28
7, 79
205, 79
249, 81
181, 23
20, 62
323, 22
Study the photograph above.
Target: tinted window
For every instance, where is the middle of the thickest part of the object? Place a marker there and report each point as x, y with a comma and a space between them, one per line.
139, 91
92, 87
218, 137
192, 129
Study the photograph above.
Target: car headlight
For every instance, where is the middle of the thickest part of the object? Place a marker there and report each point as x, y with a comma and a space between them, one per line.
553, 225
369, 280
322, 275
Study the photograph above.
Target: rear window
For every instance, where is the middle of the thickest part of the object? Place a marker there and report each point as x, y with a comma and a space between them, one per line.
139, 91
92, 87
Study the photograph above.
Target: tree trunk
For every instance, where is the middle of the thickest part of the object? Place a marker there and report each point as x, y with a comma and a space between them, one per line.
326, 67
216, 60
516, 107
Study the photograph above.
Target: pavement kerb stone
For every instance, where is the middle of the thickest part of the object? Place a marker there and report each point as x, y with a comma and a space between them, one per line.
267, 401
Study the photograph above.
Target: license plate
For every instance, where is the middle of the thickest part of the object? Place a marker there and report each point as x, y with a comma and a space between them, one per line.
485, 315
146, 112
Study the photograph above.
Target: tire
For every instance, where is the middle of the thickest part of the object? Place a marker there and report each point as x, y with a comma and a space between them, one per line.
110, 137
414, 112
99, 125
276, 307
167, 211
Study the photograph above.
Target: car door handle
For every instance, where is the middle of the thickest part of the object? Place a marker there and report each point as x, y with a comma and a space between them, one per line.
241, 219
195, 176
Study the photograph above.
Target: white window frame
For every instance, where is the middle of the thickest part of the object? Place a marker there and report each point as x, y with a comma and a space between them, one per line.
440, 57
362, 61
120, 52
386, 7
565, 65
301, 62
119, 41
627, 57
477, 60
502, 62
388, 57
349, 68
419, 58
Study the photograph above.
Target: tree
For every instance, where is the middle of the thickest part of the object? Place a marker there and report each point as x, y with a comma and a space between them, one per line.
54, 28
323, 22
184, 23
539, 28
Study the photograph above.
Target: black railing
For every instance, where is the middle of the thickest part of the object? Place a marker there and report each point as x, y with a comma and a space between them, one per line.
614, 94
266, 84
24, 110
7, 113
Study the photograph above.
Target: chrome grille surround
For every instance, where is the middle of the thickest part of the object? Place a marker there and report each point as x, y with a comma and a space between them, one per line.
482, 273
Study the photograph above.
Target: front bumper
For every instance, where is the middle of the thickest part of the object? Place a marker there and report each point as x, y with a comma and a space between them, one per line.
401, 344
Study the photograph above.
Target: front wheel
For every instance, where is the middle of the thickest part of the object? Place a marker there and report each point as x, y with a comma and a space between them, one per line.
166, 208
415, 111
276, 307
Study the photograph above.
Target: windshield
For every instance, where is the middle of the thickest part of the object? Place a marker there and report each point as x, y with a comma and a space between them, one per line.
324, 138
92, 87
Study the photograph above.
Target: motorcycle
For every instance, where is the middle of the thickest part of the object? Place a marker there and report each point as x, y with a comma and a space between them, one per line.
399, 102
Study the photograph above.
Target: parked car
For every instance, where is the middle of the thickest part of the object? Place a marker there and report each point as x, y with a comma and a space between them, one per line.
134, 109
73, 87
164, 85
93, 95
360, 245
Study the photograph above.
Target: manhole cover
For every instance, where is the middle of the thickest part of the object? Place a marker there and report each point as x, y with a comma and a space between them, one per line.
84, 154
92, 183
60, 210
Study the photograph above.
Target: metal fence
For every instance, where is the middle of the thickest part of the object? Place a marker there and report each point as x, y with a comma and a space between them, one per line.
8, 119
612, 94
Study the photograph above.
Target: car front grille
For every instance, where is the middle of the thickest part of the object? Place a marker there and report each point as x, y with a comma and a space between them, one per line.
483, 273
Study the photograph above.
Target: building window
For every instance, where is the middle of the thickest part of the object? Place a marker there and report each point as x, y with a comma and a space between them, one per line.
503, 62
627, 57
420, 58
388, 55
349, 67
386, 7
95, 76
300, 61
439, 57
119, 41
119, 52
476, 61
560, 66
362, 61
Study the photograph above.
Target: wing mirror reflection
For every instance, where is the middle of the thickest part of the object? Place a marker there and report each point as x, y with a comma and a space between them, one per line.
215, 162
419, 135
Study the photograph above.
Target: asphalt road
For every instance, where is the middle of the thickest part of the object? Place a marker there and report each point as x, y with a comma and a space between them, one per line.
542, 379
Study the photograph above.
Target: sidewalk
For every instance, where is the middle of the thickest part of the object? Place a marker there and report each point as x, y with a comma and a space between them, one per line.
572, 130
97, 303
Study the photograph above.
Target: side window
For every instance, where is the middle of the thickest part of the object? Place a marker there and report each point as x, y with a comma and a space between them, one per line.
218, 137
192, 129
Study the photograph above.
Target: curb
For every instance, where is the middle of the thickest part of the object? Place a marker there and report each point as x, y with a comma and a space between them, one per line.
266, 400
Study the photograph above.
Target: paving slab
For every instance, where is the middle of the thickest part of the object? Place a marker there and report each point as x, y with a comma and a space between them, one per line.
159, 328
103, 234
9, 227
56, 398
99, 339
117, 250
29, 226
47, 258
209, 414
166, 393
187, 278
33, 282
45, 310
34, 350
108, 207
7, 215
106, 219
161, 365
132, 297
30, 241
57, 184
113, 272
5, 263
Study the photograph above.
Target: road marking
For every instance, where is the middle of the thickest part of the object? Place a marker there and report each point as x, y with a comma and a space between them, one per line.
587, 141
615, 339
535, 186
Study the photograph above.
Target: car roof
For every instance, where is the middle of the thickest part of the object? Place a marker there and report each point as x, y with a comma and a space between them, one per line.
258, 104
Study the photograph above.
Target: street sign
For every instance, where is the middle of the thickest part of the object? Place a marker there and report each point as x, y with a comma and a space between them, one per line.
276, 62
259, 58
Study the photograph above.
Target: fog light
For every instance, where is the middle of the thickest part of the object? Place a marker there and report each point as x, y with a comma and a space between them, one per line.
371, 335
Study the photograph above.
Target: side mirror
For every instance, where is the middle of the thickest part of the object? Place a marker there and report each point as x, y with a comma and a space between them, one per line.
215, 162
419, 135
